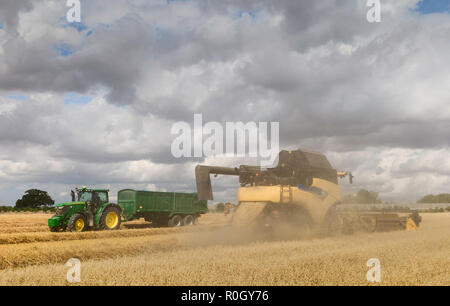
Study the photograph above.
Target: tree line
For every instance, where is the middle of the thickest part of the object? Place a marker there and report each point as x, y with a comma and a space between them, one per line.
364, 196
35, 199
431, 198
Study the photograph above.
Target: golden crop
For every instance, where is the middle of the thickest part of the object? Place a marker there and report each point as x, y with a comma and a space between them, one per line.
206, 255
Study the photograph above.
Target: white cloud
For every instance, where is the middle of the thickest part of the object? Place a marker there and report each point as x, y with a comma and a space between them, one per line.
373, 96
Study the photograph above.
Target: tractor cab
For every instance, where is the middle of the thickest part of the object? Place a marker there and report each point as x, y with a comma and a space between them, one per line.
97, 196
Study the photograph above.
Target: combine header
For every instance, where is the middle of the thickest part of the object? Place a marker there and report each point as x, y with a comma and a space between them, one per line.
301, 191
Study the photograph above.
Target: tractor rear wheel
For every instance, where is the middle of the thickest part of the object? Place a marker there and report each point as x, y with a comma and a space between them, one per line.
110, 219
77, 223
176, 221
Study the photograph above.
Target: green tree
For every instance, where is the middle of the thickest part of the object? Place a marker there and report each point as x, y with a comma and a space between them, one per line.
362, 197
367, 197
431, 198
34, 198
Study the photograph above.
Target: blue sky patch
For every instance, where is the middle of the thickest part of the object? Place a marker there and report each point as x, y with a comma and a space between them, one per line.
239, 14
76, 98
64, 50
1, 25
79, 26
17, 97
433, 6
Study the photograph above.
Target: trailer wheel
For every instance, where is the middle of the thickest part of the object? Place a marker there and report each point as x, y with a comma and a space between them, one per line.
176, 221
77, 223
110, 219
189, 220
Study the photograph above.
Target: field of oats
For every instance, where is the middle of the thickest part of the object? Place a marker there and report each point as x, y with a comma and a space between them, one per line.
210, 254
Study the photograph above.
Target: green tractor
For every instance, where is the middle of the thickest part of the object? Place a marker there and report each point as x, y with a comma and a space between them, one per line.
89, 209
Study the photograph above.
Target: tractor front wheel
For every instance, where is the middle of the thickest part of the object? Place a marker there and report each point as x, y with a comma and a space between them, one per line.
77, 223
110, 219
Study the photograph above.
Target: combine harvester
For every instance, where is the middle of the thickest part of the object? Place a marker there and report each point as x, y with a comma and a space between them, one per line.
301, 191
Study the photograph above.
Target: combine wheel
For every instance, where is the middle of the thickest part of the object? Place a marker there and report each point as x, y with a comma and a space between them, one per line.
368, 223
110, 219
77, 223
336, 223
188, 220
176, 221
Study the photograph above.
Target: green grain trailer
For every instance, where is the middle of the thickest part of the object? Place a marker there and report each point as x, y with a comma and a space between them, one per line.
161, 208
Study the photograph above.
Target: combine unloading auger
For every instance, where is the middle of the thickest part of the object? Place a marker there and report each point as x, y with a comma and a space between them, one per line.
301, 193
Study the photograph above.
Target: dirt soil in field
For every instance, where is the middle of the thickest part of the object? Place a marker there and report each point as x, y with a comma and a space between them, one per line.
212, 254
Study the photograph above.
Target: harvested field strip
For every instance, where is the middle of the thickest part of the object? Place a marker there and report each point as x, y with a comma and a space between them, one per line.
224, 257
5, 225
21, 224
211, 258
24, 229
407, 258
21, 255
24, 218
19, 238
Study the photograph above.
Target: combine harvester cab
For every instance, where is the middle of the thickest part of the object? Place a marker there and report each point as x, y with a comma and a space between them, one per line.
301, 191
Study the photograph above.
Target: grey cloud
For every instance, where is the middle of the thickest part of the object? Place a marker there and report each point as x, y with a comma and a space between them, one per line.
103, 60
334, 82
9, 11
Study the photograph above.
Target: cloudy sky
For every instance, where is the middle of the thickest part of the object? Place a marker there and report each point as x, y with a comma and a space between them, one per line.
92, 103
